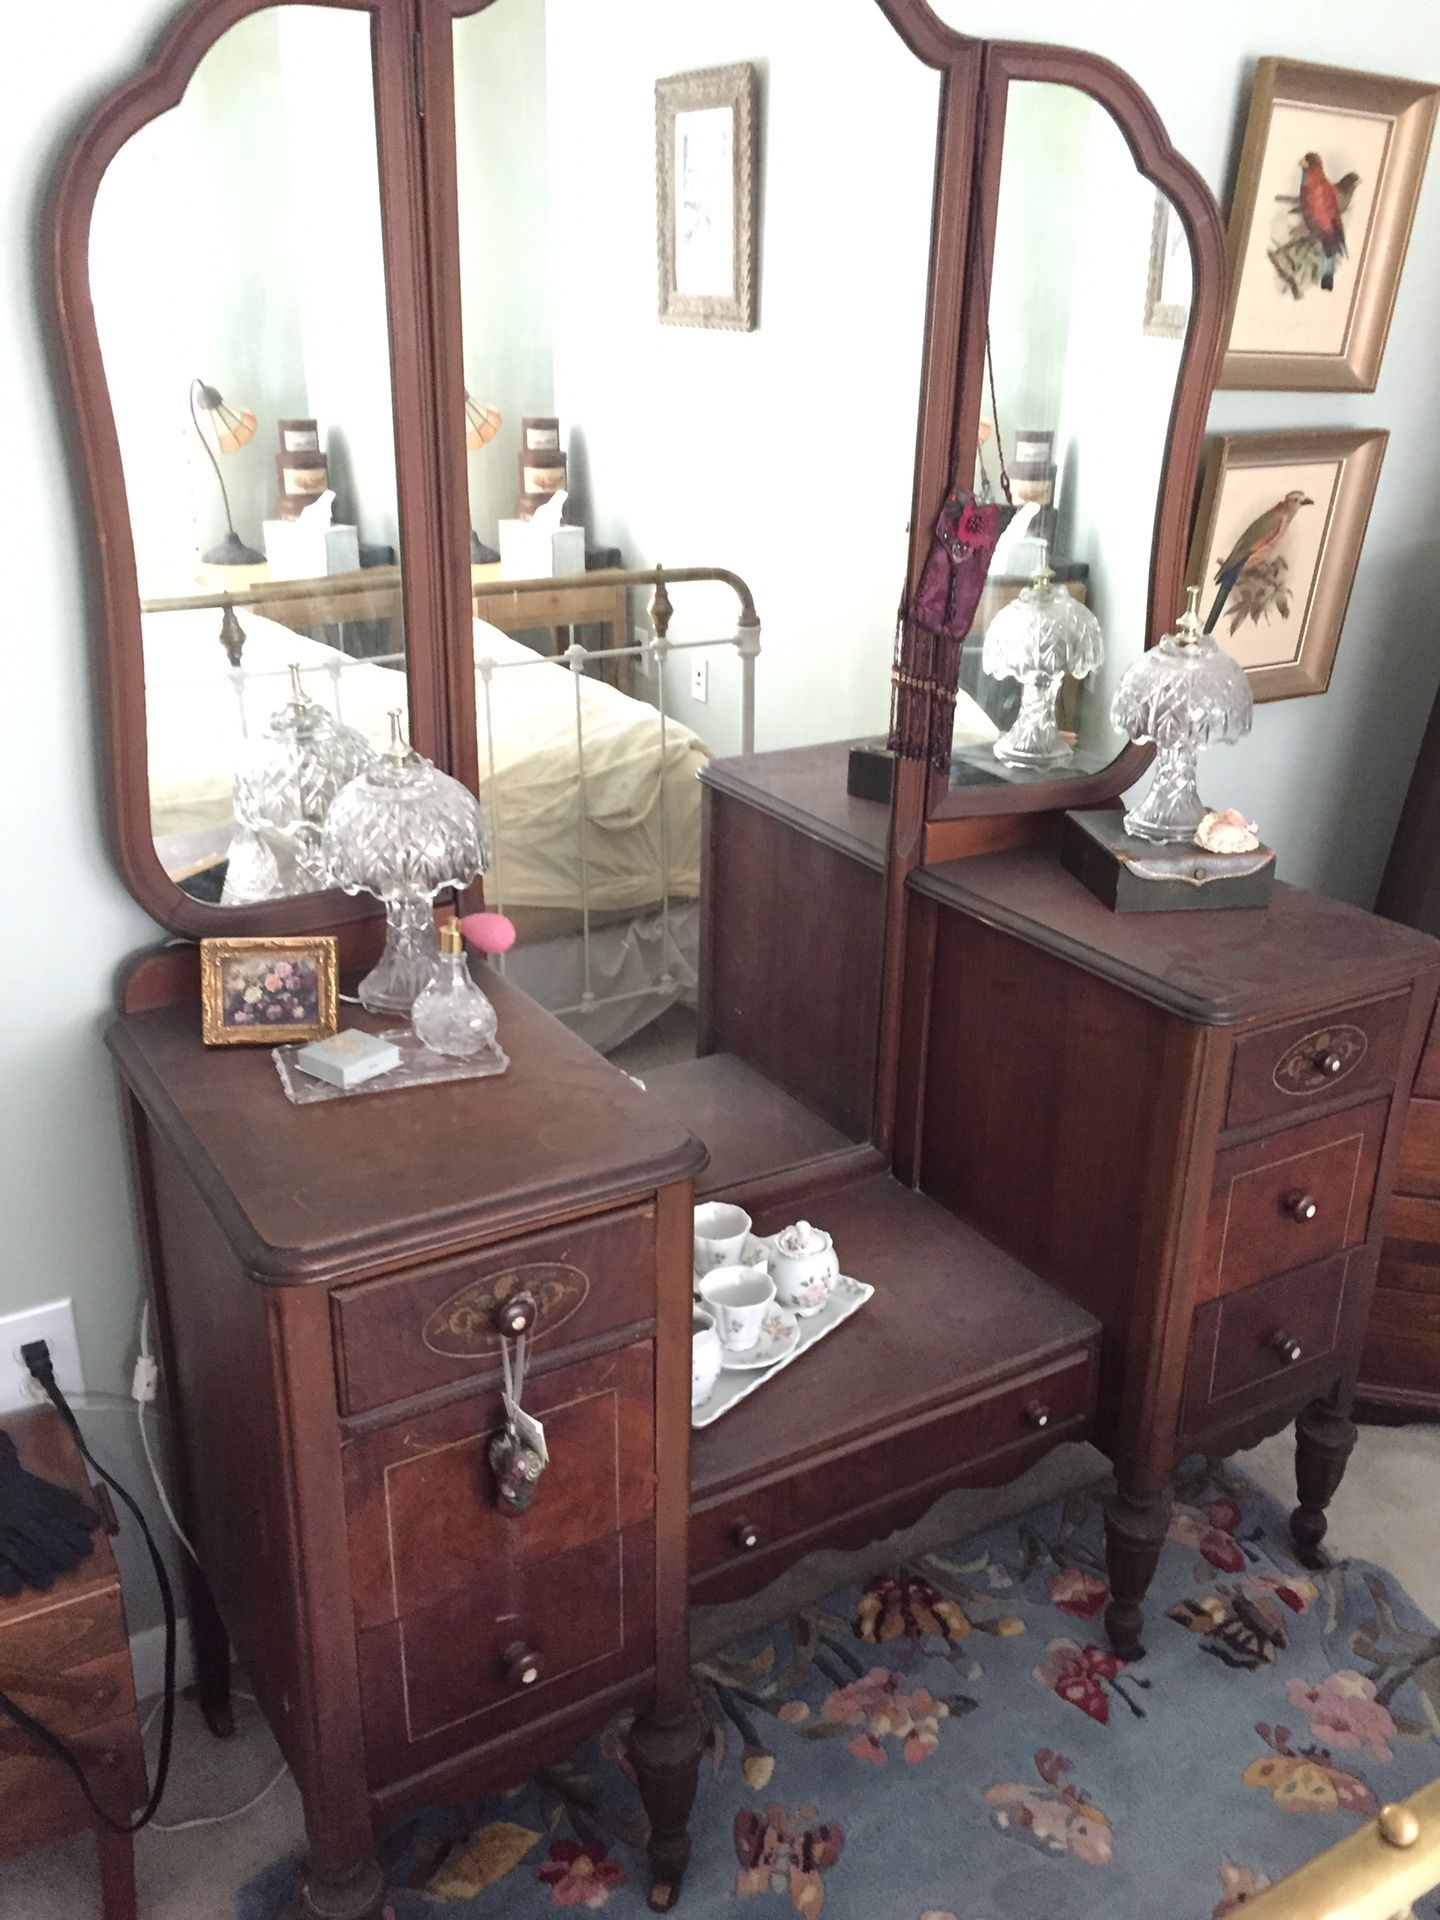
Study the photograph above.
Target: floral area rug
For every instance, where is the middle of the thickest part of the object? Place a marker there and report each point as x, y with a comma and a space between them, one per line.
954, 1742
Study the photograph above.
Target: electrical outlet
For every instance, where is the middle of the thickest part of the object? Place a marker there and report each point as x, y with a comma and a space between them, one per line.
700, 681
55, 1325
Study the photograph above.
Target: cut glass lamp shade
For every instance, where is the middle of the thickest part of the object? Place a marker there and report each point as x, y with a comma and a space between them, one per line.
304, 757
403, 831
1184, 694
1044, 634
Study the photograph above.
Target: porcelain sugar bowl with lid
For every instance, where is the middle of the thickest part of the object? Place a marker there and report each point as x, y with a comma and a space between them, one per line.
805, 1268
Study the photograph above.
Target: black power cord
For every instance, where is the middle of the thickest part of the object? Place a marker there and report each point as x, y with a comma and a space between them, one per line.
36, 1355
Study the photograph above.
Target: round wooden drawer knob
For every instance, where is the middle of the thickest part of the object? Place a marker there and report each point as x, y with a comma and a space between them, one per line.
516, 1315
1301, 1207
746, 1535
1288, 1347
1037, 1415
1329, 1063
523, 1666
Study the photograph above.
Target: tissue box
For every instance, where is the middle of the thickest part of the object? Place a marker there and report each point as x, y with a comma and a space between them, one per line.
345, 1059
296, 551
531, 552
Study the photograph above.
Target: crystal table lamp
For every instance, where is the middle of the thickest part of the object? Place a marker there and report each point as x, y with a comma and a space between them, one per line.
1184, 694
304, 758
1041, 636
403, 831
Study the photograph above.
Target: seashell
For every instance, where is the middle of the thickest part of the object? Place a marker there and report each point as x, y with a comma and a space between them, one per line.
1227, 832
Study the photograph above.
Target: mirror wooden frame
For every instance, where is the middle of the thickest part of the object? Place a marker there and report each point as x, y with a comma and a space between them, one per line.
155, 88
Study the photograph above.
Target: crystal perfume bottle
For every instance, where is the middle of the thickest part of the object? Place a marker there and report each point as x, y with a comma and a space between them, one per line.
1184, 694
1039, 638
451, 1014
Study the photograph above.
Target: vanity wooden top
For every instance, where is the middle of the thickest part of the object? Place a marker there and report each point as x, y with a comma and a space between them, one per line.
805, 787
307, 1192
1218, 968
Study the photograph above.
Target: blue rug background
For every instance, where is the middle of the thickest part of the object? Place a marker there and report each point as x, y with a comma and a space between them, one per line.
952, 1742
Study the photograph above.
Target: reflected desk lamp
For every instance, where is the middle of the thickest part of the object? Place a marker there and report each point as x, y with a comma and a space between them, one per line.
231, 430
481, 426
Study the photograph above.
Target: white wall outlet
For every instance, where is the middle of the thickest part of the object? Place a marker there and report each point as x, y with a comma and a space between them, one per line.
700, 680
55, 1325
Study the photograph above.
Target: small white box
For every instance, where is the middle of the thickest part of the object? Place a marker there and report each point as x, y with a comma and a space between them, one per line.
347, 1059
298, 552
528, 552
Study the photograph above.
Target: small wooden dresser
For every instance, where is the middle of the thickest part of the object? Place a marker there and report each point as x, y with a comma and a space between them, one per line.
1190, 1123
329, 1281
65, 1658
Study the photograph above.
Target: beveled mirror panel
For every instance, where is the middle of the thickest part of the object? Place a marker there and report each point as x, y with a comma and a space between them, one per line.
1089, 300
784, 453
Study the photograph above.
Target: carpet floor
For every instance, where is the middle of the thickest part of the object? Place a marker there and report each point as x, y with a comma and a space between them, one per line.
949, 1741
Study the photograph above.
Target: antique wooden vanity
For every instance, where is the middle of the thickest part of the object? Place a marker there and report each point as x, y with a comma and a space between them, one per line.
1112, 1177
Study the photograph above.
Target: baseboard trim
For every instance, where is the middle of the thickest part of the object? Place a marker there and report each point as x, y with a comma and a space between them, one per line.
147, 1656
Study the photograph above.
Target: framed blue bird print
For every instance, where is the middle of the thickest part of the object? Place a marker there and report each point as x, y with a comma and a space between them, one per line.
1278, 535
1329, 176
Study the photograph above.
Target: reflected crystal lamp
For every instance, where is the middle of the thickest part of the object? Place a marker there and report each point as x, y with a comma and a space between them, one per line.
1184, 694
403, 831
232, 429
482, 423
1042, 635
284, 792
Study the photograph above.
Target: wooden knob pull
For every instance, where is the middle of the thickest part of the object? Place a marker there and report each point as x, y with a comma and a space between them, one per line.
517, 1315
1038, 1414
1301, 1207
1288, 1347
746, 1535
523, 1666
1329, 1063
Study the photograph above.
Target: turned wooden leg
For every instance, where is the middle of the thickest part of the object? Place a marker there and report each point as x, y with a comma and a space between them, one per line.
666, 1758
211, 1690
1324, 1440
117, 1874
357, 1894
1135, 1528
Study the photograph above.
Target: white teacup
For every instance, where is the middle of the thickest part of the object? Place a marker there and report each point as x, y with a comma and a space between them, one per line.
739, 1298
721, 1231
704, 1356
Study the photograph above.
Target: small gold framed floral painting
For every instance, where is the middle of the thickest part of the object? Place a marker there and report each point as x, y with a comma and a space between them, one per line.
1278, 534
257, 992
1329, 176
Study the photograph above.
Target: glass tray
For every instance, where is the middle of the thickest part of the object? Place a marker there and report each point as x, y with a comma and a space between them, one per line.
731, 1388
418, 1067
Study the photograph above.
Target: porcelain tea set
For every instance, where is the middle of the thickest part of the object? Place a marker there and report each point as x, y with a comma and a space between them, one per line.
752, 1294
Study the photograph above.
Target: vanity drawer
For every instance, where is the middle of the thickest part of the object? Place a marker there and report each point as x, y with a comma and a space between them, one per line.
771, 1520
420, 1497
1280, 1072
425, 1328
1251, 1340
1292, 1198
451, 1676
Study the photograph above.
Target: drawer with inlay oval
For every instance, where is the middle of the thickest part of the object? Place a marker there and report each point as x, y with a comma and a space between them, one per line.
431, 1325
1291, 1199
1281, 1073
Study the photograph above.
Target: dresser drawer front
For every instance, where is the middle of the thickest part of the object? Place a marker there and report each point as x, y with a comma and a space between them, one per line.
806, 1501
433, 1325
423, 1516
1282, 1072
1292, 1199
441, 1681
1257, 1339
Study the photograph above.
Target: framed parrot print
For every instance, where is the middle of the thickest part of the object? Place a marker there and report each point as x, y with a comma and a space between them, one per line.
1329, 176
1277, 538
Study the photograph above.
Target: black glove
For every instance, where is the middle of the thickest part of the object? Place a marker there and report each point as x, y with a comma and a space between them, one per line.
44, 1529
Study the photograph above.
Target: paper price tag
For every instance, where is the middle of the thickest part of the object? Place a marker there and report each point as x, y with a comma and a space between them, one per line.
527, 1428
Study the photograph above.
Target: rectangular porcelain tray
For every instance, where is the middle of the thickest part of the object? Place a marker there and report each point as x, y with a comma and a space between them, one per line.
731, 1388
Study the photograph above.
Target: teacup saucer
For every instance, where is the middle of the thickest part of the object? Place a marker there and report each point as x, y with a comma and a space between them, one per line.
779, 1337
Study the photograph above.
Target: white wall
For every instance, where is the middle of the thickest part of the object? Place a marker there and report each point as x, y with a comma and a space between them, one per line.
1325, 776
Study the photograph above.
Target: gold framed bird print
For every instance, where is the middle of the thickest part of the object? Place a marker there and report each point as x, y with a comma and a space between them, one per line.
1278, 534
1329, 177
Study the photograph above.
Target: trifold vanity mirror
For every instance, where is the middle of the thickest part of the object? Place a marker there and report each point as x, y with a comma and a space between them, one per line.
347, 287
